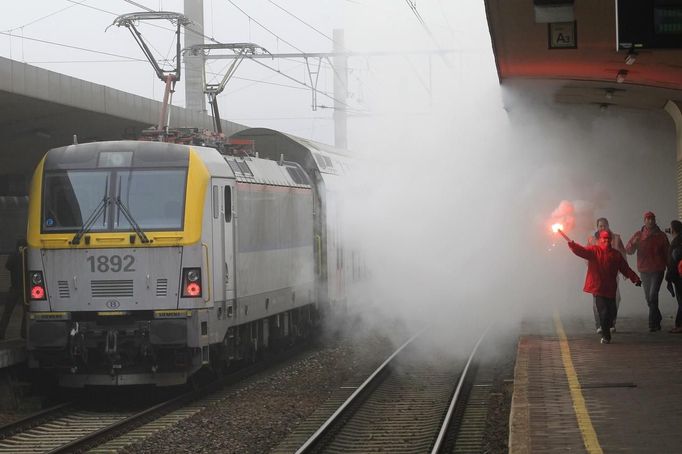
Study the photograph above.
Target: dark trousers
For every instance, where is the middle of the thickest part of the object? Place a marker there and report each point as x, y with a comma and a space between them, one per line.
597, 323
606, 308
678, 296
651, 283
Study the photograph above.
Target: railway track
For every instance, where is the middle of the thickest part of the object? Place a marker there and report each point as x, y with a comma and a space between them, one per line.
411, 403
72, 427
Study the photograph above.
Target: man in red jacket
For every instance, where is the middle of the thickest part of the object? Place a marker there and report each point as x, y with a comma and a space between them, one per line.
603, 264
652, 246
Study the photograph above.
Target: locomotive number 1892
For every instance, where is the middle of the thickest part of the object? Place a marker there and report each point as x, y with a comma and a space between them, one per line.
114, 263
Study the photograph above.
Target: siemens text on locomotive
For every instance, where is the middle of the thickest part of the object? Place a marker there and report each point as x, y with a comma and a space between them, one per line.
148, 261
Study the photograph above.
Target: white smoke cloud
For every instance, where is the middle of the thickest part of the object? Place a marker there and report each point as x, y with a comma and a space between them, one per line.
459, 184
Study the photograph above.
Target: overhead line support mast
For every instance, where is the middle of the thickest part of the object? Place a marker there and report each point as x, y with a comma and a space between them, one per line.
240, 51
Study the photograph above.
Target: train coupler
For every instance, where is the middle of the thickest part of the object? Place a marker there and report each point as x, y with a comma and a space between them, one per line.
111, 345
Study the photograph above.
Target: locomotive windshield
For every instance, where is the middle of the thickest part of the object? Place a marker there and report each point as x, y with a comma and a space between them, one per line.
154, 197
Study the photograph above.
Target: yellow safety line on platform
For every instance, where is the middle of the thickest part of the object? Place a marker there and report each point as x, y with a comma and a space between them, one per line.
581, 414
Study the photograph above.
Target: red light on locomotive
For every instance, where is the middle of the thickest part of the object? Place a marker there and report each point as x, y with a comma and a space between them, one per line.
37, 292
193, 289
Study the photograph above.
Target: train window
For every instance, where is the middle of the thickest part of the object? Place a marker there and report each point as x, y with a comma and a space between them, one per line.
71, 197
216, 202
154, 197
240, 168
320, 161
297, 175
244, 168
228, 203
234, 166
115, 159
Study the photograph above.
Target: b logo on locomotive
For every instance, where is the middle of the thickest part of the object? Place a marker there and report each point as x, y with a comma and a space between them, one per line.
112, 304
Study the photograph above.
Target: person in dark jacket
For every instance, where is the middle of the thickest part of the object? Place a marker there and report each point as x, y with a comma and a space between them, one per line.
15, 295
651, 246
672, 275
603, 264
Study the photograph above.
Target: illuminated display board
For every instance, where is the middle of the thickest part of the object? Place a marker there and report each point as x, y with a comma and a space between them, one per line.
650, 24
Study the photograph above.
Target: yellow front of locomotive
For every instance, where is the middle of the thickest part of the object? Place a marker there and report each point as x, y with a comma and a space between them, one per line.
116, 276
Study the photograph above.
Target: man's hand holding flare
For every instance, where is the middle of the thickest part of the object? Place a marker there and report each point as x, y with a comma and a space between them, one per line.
564, 235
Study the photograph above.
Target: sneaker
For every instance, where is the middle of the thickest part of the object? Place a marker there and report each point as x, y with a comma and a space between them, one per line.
605, 340
599, 330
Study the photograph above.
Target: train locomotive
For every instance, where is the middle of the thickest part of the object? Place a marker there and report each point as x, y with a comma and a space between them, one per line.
148, 261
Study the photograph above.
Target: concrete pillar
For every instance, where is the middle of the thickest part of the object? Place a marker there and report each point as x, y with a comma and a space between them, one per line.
194, 66
674, 108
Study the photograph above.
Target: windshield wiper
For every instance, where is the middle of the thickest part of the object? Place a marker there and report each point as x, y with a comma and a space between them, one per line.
130, 219
99, 209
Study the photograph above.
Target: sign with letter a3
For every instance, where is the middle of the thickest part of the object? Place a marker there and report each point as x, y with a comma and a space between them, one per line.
562, 35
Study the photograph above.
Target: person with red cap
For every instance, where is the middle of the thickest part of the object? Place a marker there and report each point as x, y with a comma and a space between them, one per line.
651, 245
603, 264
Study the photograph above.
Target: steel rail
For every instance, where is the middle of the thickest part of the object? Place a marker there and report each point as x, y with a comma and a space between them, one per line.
437, 446
86, 439
322, 430
31, 420
168, 405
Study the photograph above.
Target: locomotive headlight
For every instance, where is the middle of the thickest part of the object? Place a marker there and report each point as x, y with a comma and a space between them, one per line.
36, 277
193, 275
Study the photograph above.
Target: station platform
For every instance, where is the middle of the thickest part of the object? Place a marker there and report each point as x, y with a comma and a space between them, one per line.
12, 347
574, 394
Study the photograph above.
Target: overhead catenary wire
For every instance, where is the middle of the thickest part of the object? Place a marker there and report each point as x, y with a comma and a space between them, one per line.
46, 16
301, 85
149, 10
301, 20
187, 28
264, 27
413, 7
53, 43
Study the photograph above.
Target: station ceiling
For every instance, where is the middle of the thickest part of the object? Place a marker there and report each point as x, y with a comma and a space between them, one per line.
588, 67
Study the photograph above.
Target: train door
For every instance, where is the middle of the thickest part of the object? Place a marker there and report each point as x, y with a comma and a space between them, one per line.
223, 241
228, 229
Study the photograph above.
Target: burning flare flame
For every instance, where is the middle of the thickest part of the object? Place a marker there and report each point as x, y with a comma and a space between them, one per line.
557, 227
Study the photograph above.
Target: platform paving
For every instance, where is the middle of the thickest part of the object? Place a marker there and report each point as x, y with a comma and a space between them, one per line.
12, 347
631, 388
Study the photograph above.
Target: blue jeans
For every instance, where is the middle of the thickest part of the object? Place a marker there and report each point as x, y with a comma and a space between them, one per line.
678, 296
651, 283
